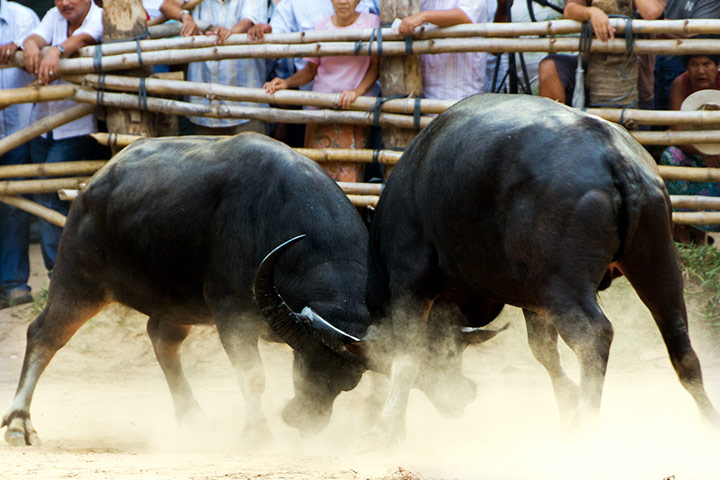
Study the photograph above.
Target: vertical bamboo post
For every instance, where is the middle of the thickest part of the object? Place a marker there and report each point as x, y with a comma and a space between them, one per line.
125, 19
399, 74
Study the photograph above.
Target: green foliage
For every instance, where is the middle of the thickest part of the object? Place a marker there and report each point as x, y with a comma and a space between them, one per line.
701, 266
39, 302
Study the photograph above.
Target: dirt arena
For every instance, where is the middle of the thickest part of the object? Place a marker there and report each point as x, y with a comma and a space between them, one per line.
103, 411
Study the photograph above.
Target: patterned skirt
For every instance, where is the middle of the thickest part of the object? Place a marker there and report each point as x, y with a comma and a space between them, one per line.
339, 136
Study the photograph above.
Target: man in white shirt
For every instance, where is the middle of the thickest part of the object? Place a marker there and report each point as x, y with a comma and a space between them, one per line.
450, 76
67, 27
228, 17
16, 22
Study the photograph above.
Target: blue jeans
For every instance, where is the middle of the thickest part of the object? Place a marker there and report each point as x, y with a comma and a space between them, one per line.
47, 150
14, 234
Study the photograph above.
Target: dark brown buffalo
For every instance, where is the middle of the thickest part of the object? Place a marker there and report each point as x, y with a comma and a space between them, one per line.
520, 200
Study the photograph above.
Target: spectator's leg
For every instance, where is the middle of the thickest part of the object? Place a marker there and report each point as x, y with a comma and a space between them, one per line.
14, 238
549, 84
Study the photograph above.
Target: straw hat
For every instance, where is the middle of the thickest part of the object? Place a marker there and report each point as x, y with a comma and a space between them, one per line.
704, 100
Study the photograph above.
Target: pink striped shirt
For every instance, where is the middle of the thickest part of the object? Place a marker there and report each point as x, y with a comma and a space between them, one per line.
453, 76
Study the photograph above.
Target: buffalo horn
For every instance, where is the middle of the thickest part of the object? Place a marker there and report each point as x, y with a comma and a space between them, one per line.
479, 335
300, 331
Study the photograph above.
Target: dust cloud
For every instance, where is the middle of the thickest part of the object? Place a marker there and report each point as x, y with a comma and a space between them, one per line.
103, 410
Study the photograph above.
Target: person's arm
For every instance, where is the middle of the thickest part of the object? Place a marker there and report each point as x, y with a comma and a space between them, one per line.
300, 78
173, 9
347, 97
47, 69
257, 32
579, 11
441, 18
223, 33
31, 49
650, 9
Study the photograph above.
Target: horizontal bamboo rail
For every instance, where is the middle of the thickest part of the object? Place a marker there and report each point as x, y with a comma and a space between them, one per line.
83, 167
35, 209
258, 95
361, 188
674, 137
275, 115
696, 218
35, 93
548, 28
22, 187
692, 174
695, 202
322, 49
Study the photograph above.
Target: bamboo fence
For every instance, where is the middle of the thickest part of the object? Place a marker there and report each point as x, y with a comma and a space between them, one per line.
35, 209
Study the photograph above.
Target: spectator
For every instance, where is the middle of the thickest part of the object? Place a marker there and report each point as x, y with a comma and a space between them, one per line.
67, 27
348, 76
301, 16
701, 74
668, 67
228, 17
450, 76
16, 22
557, 72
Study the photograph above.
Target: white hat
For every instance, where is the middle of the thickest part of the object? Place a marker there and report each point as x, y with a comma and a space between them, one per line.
708, 99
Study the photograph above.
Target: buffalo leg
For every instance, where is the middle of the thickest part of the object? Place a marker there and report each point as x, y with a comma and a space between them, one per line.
49, 332
166, 341
239, 338
542, 338
651, 266
586, 330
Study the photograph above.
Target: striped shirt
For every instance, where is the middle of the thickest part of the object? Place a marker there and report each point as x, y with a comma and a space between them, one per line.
453, 76
241, 72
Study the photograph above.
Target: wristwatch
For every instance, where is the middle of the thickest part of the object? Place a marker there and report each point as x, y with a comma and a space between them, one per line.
60, 48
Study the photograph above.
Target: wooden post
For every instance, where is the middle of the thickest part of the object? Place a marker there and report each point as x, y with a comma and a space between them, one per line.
399, 75
125, 19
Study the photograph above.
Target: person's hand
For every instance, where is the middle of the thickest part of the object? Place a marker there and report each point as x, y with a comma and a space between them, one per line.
31, 53
347, 97
601, 24
222, 34
275, 84
7, 52
48, 69
408, 24
189, 27
257, 32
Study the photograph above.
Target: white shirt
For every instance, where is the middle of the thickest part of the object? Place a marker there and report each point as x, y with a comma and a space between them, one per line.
241, 72
453, 76
53, 29
16, 22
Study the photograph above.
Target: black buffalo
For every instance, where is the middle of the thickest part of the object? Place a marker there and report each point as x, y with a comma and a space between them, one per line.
176, 228
522, 201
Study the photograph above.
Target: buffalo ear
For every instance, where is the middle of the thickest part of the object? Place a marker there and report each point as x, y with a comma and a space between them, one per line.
478, 335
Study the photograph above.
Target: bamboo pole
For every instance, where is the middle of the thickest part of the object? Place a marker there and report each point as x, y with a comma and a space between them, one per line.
692, 174
274, 115
696, 218
35, 209
322, 49
658, 117
22, 187
361, 188
51, 169
257, 95
44, 125
364, 200
673, 137
36, 93
549, 28
695, 202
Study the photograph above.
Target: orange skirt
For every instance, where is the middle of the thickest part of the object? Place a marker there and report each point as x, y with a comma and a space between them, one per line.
339, 136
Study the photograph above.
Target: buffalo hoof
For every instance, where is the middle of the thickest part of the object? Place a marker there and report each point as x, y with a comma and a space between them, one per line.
307, 417
383, 439
257, 436
451, 396
20, 433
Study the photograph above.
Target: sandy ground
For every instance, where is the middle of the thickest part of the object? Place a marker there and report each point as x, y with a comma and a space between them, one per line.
104, 412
